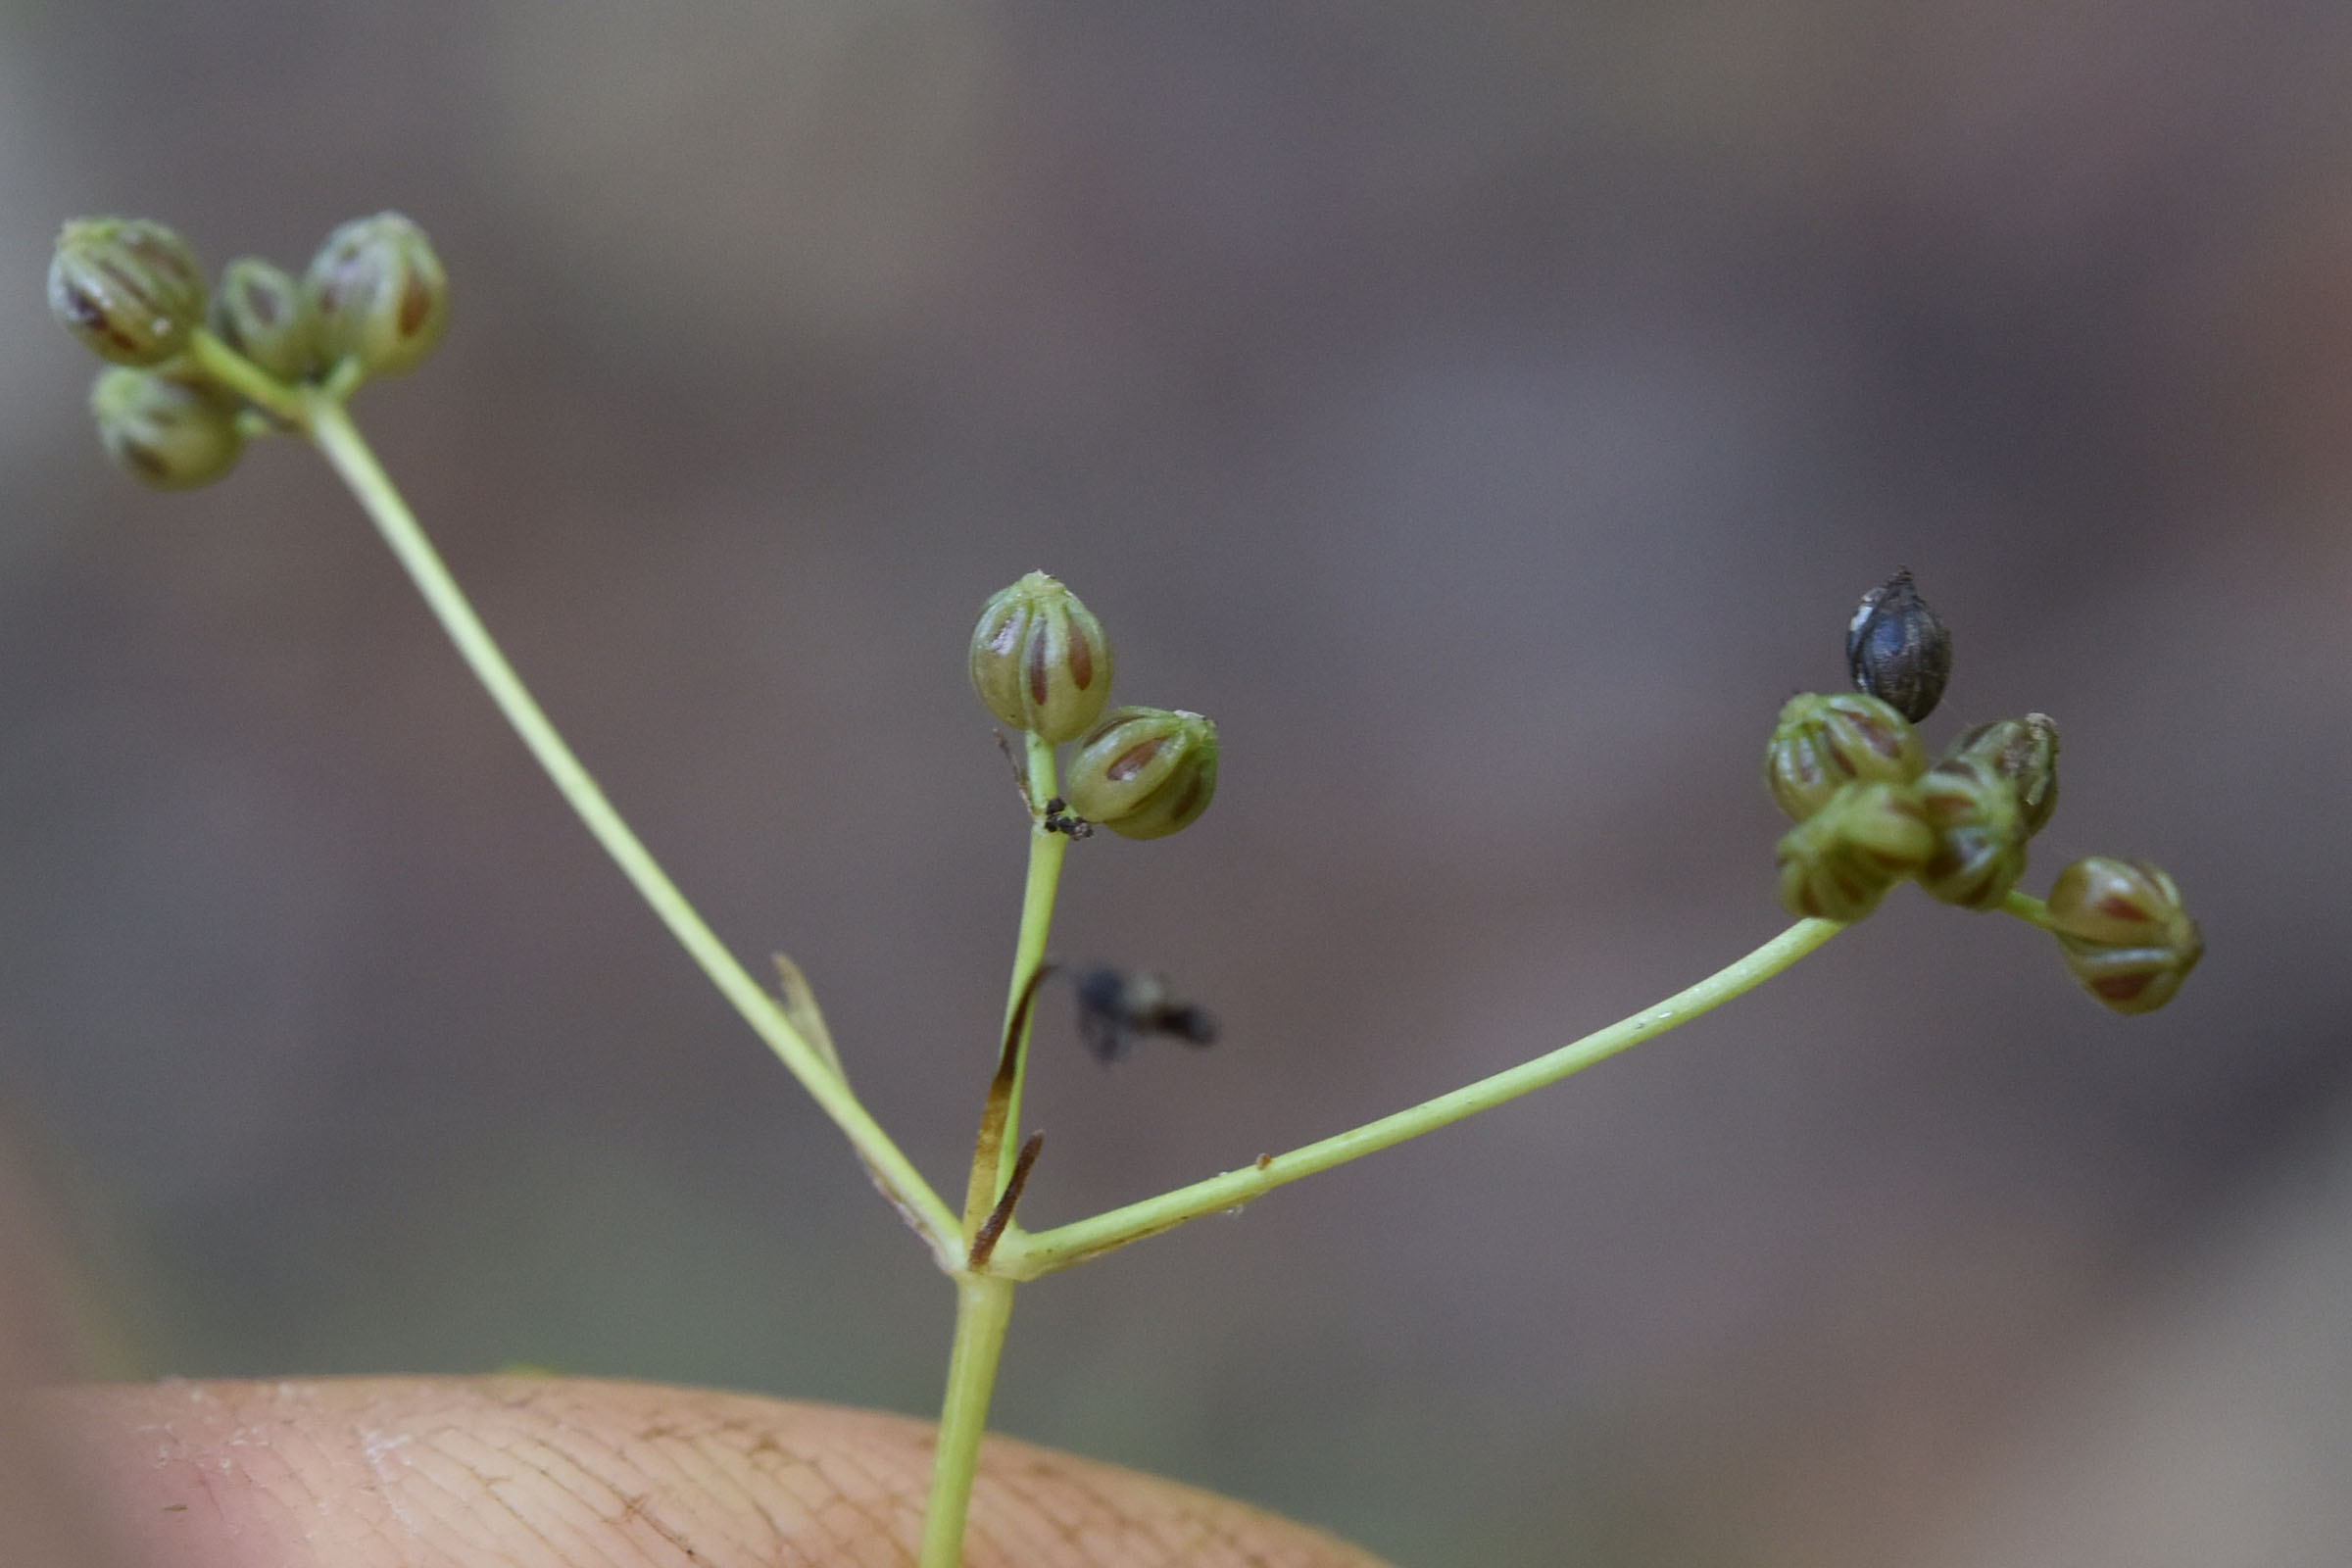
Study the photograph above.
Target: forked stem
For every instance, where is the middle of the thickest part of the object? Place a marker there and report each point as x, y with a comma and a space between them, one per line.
1027, 1256
984, 1250
984, 1282
330, 428
249, 380
1000, 1165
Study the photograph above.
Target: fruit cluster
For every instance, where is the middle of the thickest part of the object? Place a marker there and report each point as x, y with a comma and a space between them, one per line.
374, 301
1871, 812
1040, 662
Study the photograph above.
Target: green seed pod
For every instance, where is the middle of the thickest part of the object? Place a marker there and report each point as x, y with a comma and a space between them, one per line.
1981, 833
380, 294
1144, 772
2123, 930
163, 432
1839, 861
261, 312
1898, 649
131, 290
1823, 742
1039, 660
2023, 750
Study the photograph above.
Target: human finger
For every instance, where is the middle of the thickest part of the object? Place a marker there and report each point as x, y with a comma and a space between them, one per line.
528, 1472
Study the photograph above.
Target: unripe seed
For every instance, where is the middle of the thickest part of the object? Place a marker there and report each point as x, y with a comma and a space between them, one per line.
1040, 660
1898, 649
1823, 742
2124, 933
165, 432
1981, 834
2023, 750
1145, 772
131, 290
261, 312
1839, 861
379, 293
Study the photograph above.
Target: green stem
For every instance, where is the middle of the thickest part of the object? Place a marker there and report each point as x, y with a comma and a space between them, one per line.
983, 1312
984, 1301
2027, 907
248, 379
330, 428
992, 1167
1030, 1255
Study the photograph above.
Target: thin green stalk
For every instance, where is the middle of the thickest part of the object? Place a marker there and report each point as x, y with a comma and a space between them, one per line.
330, 428
248, 379
2027, 907
984, 1301
992, 1167
1030, 1255
983, 1312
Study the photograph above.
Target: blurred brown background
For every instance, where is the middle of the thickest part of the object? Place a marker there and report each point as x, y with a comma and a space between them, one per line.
1489, 413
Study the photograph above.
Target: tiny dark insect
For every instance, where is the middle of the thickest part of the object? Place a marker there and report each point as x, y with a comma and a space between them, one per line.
1059, 820
1116, 1007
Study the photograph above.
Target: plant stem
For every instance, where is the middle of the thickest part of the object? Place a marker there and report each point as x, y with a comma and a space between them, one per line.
2027, 907
992, 1167
331, 429
1030, 1255
983, 1312
248, 379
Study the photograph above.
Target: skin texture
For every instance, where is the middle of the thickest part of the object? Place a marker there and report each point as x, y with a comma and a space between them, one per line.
525, 1472
544, 1472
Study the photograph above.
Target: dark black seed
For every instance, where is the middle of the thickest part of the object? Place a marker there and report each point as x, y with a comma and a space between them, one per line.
1898, 650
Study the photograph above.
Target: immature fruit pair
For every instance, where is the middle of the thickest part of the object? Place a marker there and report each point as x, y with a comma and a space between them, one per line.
376, 295
1039, 662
